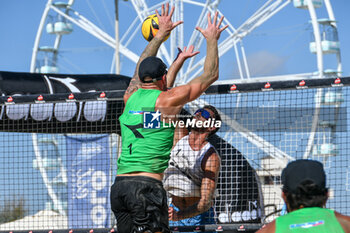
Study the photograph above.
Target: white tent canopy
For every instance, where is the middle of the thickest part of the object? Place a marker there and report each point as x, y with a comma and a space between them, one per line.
45, 219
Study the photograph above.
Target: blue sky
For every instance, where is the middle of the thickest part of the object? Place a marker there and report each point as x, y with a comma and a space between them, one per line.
279, 46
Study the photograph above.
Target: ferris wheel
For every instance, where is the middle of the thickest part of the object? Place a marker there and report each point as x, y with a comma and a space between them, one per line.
63, 21
67, 28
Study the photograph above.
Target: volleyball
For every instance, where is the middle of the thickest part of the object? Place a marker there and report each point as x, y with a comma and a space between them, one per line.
150, 27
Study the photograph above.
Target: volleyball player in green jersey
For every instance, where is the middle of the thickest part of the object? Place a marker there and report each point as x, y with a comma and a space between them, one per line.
138, 199
305, 194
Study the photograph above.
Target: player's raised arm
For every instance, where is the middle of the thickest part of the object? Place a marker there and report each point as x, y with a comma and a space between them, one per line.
211, 64
189, 92
166, 25
178, 63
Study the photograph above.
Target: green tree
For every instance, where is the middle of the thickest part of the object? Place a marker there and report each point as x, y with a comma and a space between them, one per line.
11, 210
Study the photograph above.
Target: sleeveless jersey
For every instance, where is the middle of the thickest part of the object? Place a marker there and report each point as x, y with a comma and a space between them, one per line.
310, 219
143, 149
184, 175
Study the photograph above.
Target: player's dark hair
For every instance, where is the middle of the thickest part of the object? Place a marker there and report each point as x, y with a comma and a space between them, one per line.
216, 116
307, 194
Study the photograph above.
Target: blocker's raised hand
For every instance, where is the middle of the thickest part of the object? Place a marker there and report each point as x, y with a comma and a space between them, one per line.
178, 62
213, 31
166, 25
186, 52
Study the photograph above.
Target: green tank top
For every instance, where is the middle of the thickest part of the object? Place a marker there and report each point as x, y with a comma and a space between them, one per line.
143, 149
312, 219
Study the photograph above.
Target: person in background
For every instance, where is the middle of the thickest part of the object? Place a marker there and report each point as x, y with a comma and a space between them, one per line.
305, 194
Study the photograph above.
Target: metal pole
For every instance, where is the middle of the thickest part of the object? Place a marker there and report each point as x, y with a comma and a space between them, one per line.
117, 58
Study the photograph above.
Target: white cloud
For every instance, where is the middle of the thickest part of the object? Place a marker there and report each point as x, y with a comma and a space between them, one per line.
263, 63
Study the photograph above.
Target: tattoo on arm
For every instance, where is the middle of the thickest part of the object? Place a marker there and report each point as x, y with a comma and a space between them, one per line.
200, 207
133, 85
208, 187
150, 50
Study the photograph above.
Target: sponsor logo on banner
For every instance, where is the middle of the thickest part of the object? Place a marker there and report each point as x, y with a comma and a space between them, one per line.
88, 188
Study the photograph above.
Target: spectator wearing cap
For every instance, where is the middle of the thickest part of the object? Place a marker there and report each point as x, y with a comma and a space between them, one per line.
305, 193
138, 198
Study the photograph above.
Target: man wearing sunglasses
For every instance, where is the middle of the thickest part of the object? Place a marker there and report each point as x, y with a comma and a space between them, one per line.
194, 166
138, 198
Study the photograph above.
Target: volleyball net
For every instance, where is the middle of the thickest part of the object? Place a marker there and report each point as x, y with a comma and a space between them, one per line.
59, 150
